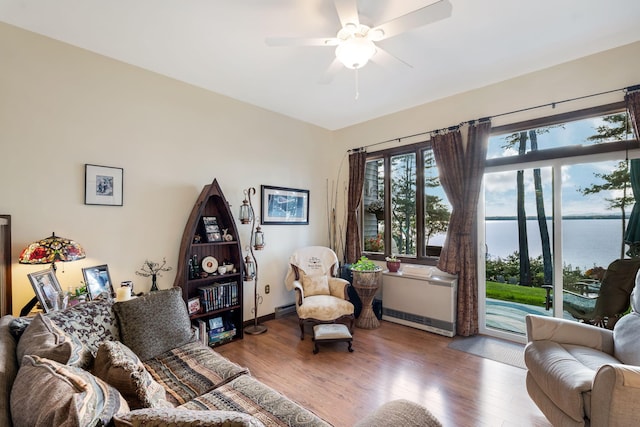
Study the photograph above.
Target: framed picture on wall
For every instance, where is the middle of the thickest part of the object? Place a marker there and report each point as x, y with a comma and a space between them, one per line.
281, 205
48, 291
98, 281
103, 185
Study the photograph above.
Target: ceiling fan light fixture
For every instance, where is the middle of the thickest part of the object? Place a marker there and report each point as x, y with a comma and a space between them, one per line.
375, 34
355, 52
351, 28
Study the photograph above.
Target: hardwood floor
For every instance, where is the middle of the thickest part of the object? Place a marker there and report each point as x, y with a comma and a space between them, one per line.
388, 363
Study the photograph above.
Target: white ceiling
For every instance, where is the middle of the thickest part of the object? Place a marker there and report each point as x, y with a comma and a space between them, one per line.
220, 46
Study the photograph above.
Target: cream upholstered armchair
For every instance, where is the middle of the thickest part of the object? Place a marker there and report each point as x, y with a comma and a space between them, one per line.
321, 297
582, 375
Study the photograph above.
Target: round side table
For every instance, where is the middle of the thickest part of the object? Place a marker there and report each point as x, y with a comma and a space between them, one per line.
367, 318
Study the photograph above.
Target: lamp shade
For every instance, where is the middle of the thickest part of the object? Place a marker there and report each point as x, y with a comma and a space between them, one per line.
355, 52
50, 250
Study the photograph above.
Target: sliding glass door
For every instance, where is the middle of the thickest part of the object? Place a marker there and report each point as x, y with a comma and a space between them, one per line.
551, 219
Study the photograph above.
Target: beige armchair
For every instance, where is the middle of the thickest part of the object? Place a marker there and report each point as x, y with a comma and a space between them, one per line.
321, 297
581, 375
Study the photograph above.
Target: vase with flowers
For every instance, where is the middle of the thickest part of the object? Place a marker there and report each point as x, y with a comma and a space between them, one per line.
393, 263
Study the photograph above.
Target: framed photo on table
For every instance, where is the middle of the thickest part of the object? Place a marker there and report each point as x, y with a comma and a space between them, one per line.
47, 289
98, 281
282, 205
103, 185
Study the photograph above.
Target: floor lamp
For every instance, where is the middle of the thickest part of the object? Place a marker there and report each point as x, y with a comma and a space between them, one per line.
256, 241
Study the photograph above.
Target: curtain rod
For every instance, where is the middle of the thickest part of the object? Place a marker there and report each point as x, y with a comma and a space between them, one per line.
470, 122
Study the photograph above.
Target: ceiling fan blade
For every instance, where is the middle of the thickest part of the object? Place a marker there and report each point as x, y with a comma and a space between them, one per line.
296, 41
423, 16
331, 71
347, 12
383, 57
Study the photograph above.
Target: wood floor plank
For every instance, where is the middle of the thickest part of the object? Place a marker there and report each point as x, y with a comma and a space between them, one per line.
388, 363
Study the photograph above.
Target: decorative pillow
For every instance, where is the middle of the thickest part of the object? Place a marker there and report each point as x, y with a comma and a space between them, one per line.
186, 418
626, 346
154, 323
18, 326
315, 285
47, 393
91, 322
43, 338
118, 366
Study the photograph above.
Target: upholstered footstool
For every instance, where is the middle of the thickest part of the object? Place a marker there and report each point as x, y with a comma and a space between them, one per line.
331, 332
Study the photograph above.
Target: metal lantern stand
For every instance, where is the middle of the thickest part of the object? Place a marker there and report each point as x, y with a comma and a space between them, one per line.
251, 264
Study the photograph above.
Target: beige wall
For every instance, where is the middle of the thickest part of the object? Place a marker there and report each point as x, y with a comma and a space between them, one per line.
62, 107
613, 69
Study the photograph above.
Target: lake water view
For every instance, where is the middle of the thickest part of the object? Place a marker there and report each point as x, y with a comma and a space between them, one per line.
586, 242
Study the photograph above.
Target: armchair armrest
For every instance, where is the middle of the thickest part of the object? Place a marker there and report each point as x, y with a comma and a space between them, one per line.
615, 395
338, 287
568, 332
297, 286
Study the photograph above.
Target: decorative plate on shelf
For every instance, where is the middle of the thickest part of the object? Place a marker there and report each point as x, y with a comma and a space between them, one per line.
209, 264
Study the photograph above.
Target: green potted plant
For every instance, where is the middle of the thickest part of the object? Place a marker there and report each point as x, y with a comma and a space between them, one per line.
365, 272
393, 263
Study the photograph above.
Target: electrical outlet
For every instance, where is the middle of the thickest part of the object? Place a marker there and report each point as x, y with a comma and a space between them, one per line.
267, 289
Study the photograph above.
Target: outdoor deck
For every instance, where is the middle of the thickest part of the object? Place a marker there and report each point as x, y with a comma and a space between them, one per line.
509, 316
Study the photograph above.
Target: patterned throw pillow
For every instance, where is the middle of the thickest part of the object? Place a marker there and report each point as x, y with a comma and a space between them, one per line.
154, 323
185, 418
118, 366
47, 393
45, 339
91, 322
315, 285
70, 336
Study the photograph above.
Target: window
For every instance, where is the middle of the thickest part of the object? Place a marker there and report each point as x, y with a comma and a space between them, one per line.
557, 199
395, 219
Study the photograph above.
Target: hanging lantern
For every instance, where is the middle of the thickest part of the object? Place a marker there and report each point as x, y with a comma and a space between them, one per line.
258, 239
245, 210
249, 268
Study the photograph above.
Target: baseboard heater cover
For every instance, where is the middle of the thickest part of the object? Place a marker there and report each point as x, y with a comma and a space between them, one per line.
423, 301
284, 310
419, 322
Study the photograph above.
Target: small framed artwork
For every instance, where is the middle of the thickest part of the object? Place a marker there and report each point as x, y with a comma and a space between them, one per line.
102, 185
47, 289
282, 205
98, 281
194, 305
216, 324
211, 229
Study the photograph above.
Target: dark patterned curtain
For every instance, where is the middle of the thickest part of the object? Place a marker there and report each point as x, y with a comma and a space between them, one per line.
354, 198
632, 233
461, 173
633, 105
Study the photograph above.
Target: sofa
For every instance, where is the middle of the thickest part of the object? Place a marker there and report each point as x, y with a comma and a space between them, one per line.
135, 363
582, 375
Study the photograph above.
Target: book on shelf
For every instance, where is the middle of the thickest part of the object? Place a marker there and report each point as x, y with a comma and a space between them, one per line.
218, 296
204, 336
220, 337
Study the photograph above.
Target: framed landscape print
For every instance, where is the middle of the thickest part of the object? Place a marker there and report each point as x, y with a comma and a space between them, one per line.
102, 185
98, 281
48, 291
282, 205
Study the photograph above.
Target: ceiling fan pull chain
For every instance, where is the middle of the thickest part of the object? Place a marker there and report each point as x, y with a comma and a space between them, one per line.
357, 85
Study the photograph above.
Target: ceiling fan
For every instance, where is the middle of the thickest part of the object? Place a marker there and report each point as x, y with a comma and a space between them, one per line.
355, 42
